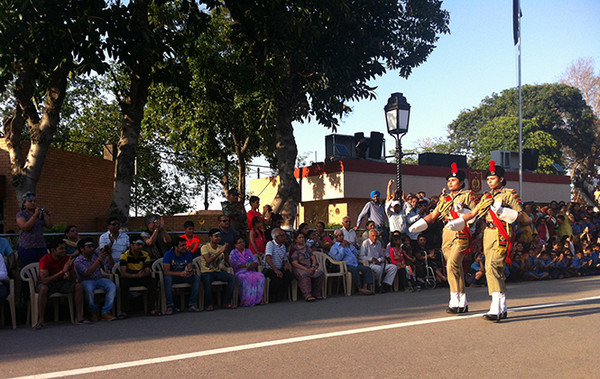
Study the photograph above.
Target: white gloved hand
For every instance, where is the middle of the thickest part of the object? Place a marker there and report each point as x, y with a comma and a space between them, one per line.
418, 226
456, 225
497, 207
458, 207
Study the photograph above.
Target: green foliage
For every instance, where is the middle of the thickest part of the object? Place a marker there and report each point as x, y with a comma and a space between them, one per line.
43, 36
554, 112
315, 55
502, 133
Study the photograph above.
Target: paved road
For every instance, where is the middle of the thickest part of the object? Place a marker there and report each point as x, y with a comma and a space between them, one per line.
553, 330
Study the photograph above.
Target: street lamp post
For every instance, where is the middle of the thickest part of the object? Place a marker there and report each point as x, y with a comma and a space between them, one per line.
397, 114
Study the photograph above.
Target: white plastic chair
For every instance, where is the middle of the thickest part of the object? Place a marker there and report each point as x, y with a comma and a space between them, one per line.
116, 274
343, 275
31, 274
158, 269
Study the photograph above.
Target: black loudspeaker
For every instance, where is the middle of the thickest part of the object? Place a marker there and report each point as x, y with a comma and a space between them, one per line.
530, 159
375, 145
442, 160
361, 144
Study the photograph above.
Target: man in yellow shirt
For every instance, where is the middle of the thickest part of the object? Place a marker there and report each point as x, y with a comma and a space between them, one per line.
212, 255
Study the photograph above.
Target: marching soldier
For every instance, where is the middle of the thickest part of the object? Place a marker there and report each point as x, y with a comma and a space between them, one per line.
501, 207
456, 241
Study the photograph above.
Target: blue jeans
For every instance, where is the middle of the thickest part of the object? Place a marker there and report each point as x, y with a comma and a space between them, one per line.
194, 280
209, 277
357, 270
104, 284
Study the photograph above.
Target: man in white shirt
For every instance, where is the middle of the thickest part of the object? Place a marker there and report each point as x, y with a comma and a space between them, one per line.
117, 242
372, 251
349, 232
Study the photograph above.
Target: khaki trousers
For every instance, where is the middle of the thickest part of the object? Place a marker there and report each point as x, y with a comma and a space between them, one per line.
452, 248
494, 261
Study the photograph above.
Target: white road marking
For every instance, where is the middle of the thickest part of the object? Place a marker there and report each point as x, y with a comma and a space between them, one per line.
284, 341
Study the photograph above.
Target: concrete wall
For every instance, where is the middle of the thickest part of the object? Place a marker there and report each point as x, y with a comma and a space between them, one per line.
333, 190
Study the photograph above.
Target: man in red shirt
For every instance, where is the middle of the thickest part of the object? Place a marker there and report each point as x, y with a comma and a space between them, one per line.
57, 275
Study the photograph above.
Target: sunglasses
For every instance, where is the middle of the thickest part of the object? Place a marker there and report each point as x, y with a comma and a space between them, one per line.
115, 224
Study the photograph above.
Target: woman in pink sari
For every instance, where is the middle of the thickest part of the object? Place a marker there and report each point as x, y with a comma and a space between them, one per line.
251, 283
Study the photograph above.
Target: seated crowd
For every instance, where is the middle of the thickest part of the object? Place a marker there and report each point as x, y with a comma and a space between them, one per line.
256, 255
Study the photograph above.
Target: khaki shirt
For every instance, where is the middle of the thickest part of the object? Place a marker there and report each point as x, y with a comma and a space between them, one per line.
509, 197
446, 203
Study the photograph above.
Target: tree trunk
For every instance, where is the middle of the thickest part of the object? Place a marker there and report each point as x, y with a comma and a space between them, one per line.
288, 194
26, 172
132, 109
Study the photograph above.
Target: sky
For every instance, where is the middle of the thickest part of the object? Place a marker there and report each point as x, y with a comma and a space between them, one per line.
478, 58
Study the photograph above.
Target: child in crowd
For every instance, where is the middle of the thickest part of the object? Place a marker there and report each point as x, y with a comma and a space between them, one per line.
476, 274
516, 269
596, 259
576, 264
257, 237
545, 265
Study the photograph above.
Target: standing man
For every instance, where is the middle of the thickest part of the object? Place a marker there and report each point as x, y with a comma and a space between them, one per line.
155, 236
372, 251
88, 266
501, 207
228, 235
117, 242
342, 250
455, 242
212, 255
179, 268
375, 211
395, 211
234, 210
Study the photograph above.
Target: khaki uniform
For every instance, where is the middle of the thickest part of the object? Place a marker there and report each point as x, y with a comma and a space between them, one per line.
454, 243
495, 246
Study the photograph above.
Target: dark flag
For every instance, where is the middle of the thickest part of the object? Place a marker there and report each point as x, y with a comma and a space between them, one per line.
517, 20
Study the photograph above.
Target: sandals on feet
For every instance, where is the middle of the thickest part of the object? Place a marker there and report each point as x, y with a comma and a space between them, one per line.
310, 298
210, 308
39, 325
170, 311
229, 306
83, 321
194, 308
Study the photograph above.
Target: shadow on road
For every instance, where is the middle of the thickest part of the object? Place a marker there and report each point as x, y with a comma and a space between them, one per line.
334, 313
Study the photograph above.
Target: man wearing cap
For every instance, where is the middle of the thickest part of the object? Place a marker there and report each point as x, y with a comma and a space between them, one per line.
135, 269
374, 210
455, 241
501, 207
212, 255
234, 210
89, 265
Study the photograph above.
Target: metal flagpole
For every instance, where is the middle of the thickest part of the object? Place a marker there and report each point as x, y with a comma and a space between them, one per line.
517, 38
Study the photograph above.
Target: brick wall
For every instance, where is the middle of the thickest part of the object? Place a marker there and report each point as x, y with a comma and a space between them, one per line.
76, 187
